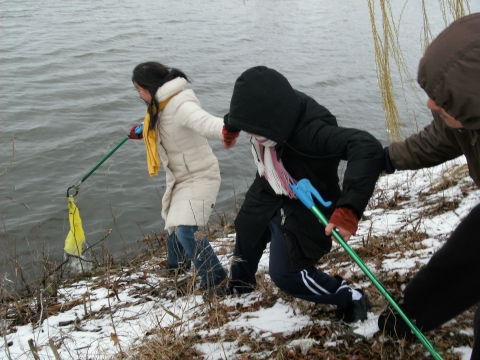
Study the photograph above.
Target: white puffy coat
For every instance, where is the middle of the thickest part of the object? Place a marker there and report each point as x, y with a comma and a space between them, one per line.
192, 172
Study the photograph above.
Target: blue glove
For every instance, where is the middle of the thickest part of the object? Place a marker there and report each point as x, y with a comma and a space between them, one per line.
387, 163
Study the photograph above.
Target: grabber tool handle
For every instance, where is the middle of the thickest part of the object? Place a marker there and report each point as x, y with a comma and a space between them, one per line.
303, 193
138, 130
103, 160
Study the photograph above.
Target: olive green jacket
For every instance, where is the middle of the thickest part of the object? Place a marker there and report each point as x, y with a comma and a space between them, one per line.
436, 144
449, 72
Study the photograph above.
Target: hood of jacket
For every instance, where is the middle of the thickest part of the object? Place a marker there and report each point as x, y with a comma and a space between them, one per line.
264, 103
449, 72
170, 88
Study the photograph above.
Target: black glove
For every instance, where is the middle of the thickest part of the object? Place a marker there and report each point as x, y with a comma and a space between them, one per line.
387, 163
393, 324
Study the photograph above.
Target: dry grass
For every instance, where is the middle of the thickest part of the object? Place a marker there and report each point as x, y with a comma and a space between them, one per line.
180, 339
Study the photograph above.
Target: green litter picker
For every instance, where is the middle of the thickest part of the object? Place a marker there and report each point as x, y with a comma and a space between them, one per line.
138, 130
76, 235
304, 190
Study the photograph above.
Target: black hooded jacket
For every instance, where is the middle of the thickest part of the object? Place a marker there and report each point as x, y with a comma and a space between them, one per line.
310, 145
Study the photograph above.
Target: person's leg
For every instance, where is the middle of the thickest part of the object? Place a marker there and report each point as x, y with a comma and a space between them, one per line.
476, 336
208, 261
203, 256
176, 255
245, 264
311, 284
447, 285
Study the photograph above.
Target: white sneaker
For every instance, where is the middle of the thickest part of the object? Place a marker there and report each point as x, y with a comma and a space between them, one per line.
365, 329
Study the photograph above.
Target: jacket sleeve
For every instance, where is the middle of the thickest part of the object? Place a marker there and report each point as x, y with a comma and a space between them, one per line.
190, 114
364, 155
432, 146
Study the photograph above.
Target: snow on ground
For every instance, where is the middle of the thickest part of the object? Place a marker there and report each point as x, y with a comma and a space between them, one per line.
99, 320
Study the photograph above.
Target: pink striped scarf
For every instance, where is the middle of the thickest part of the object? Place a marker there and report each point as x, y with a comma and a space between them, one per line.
271, 168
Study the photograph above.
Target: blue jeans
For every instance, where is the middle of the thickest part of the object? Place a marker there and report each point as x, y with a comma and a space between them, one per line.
183, 249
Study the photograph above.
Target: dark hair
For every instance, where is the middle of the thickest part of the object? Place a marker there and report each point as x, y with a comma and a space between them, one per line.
150, 76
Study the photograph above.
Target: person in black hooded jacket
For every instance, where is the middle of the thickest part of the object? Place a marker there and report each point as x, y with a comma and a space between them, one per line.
294, 137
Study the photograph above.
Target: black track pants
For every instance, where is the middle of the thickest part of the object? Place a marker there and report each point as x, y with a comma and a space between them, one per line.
309, 284
450, 283
245, 264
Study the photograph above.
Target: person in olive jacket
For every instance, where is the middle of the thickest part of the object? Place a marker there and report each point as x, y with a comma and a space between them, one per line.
294, 137
449, 284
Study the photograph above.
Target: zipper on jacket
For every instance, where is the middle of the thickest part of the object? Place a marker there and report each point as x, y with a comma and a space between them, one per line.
282, 213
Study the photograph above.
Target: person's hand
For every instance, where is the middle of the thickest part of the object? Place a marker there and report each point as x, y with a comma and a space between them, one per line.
133, 135
229, 138
345, 221
387, 162
346, 235
229, 144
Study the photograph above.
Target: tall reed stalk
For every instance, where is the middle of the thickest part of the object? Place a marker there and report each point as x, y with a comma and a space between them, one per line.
387, 49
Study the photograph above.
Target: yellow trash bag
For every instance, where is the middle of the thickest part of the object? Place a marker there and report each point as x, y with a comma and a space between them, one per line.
76, 236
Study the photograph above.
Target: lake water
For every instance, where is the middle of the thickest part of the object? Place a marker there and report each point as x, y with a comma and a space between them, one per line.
67, 98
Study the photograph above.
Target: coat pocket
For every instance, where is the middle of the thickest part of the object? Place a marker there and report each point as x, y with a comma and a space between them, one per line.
304, 236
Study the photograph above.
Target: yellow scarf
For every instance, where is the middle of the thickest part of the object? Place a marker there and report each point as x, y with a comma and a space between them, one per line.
150, 138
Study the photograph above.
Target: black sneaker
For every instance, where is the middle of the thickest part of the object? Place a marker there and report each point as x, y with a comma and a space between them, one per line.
392, 324
355, 310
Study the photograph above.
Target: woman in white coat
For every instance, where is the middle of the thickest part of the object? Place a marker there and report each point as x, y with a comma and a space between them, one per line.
175, 131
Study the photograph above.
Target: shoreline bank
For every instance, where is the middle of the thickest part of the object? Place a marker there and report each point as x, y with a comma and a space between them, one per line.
133, 310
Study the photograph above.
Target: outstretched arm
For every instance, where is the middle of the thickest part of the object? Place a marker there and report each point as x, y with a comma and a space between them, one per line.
432, 146
365, 160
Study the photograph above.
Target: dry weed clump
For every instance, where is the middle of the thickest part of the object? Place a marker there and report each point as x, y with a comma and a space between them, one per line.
35, 304
166, 344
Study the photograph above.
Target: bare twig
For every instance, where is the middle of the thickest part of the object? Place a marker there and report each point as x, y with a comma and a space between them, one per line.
33, 349
85, 305
89, 247
169, 312
54, 349
8, 197
114, 336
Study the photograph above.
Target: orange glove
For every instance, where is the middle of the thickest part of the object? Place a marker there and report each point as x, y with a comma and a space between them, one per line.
133, 135
229, 138
345, 218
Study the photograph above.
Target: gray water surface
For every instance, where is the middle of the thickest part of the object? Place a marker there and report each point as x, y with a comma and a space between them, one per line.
67, 98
